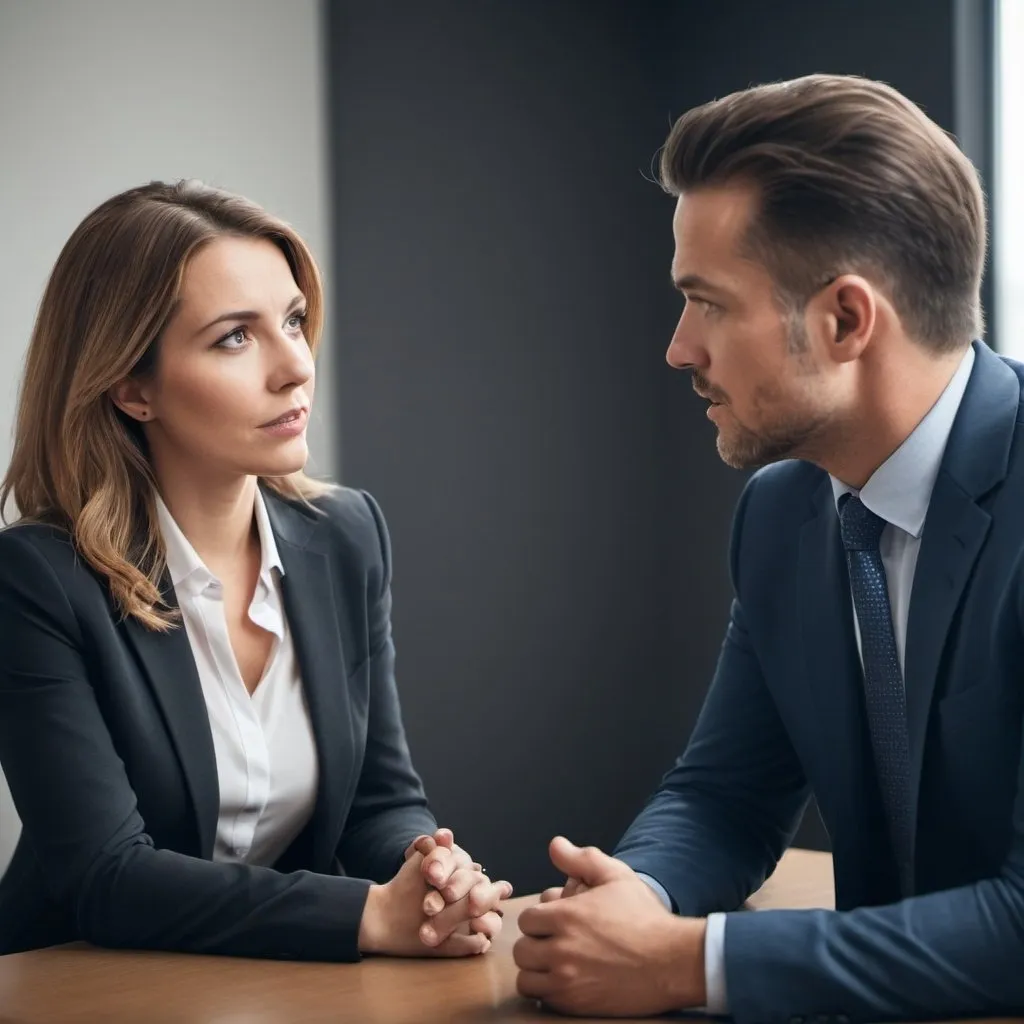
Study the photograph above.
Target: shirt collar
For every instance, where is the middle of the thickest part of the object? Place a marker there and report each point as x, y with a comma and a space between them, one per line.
185, 566
269, 555
901, 488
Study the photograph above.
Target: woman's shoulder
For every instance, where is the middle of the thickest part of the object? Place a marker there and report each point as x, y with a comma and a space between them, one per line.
26, 541
349, 520
40, 568
346, 507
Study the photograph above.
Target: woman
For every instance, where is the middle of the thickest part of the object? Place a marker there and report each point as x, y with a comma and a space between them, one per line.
198, 715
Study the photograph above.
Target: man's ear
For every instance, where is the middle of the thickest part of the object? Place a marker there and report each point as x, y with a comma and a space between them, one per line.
848, 309
131, 397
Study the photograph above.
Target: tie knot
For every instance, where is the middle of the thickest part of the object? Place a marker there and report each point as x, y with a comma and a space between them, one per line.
860, 527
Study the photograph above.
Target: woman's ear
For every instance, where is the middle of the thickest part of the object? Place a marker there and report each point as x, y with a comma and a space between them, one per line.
130, 396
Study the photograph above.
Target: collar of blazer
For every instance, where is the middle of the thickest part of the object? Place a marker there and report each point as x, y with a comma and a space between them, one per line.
313, 605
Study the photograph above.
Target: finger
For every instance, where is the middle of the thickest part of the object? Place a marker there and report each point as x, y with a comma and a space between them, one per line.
552, 894
481, 900
587, 863
421, 844
574, 887
460, 883
482, 893
433, 903
460, 944
445, 837
436, 929
532, 954
535, 984
488, 924
462, 858
487, 895
438, 866
543, 919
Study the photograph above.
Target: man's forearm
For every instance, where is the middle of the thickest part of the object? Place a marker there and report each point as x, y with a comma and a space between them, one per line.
946, 954
705, 860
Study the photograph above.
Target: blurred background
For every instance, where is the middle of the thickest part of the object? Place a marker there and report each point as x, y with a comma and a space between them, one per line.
475, 180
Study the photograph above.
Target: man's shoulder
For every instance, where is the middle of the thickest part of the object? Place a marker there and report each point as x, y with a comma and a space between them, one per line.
782, 489
1014, 364
776, 503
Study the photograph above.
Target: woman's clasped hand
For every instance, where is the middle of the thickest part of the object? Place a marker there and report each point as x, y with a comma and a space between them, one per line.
440, 903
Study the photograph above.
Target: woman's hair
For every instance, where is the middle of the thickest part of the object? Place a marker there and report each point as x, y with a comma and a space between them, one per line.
79, 462
851, 177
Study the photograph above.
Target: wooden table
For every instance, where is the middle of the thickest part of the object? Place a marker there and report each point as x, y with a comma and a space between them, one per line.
84, 985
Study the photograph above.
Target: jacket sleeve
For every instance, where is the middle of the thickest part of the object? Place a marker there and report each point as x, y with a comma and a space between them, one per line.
390, 808
81, 820
955, 953
727, 810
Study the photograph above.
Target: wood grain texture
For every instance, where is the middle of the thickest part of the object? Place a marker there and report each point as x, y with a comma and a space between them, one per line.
79, 984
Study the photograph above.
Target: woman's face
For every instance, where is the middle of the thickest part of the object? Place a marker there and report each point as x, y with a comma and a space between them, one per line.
233, 383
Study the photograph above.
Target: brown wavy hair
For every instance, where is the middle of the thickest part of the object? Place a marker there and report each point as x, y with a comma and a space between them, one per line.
81, 464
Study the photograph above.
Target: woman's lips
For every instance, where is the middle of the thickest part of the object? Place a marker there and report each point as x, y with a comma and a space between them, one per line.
288, 425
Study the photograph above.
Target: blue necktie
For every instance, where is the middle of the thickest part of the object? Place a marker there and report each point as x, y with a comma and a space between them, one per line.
885, 696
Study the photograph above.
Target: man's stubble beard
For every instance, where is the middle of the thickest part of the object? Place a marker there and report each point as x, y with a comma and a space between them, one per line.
748, 449
797, 435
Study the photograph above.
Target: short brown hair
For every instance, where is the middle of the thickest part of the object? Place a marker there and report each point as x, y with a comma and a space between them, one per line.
79, 462
852, 177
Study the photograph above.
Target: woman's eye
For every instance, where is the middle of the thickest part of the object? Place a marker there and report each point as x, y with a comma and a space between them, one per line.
297, 321
235, 340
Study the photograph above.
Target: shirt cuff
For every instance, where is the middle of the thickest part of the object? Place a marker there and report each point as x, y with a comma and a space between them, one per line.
714, 965
659, 890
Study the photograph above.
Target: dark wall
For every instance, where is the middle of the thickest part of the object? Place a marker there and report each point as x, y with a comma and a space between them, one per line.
730, 44
501, 308
501, 312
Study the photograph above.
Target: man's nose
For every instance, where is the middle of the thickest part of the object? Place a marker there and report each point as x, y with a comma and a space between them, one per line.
684, 350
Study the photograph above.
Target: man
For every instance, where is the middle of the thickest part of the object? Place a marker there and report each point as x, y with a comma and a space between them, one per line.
829, 242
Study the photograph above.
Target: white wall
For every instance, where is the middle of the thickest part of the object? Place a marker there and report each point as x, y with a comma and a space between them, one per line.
100, 95
1008, 207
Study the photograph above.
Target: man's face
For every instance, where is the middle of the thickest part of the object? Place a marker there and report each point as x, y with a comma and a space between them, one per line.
755, 365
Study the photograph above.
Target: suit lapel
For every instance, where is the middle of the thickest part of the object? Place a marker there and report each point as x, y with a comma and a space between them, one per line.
950, 544
170, 668
975, 461
312, 605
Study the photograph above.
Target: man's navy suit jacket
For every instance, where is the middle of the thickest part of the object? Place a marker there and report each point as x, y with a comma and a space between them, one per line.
785, 717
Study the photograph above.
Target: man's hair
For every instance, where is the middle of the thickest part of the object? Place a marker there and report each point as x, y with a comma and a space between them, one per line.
852, 178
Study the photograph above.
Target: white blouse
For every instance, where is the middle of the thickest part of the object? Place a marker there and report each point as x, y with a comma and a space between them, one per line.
266, 755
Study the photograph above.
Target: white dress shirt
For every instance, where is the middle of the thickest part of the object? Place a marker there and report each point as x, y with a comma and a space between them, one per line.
899, 492
267, 767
